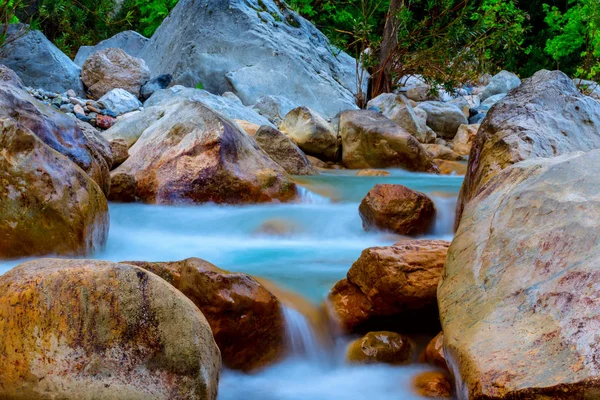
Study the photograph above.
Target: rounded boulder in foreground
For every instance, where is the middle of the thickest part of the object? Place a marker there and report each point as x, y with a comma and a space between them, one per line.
397, 209
83, 329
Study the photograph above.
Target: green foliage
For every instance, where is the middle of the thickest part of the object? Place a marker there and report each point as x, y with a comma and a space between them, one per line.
577, 35
200, 86
72, 24
9, 10
147, 15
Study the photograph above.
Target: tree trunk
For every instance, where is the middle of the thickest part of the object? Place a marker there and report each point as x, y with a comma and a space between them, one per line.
382, 77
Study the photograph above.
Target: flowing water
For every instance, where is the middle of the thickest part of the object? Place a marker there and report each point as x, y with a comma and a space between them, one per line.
305, 247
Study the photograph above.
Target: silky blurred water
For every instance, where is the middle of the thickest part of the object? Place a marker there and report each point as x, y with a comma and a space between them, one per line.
305, 247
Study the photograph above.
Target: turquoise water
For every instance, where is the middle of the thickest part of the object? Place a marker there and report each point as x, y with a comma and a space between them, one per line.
305, 246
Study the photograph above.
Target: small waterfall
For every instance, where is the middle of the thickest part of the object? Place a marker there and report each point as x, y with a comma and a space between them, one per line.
302, 339
446, 210
308, 197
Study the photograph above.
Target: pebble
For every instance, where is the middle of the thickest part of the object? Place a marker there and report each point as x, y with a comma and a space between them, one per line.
83, 117
105, 121
67, 108
71, 93
76, 101
78, 109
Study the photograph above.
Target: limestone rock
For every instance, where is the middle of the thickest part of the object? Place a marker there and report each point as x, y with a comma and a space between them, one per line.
312, 133
443, 118
500, 83
463, 141
433, 384
545, 117
130, 42
370, 140
47, 204
228, 46
246, 319
519, 296
79, 141
229, 106
397, 209
81, 329
434, 352
191, 154
38, 62
112, 68
283, 151
437, 151
120, 101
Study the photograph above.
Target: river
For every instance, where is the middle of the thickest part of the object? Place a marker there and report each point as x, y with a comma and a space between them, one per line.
305, 247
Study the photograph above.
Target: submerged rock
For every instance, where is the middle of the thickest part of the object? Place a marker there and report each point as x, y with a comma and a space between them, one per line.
80, 142
433, 384
190, 154
283, 151
519, 299
246, 319
397, 209
75, 327
545, 117
391, 288
38, 62
47, 204
381, 347
299, 65
112, 68
370, 140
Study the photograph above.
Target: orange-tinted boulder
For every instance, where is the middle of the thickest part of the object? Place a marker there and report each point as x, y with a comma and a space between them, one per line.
434, 352
434, 384
82, 329
397, 209
381, 347
391, 288
246, 319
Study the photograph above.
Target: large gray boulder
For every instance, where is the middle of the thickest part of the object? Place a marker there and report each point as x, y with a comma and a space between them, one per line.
130, 42
545, 117
502, 82
228, 105
520, 300
38, 62
252, 48
443, 118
